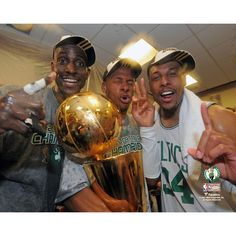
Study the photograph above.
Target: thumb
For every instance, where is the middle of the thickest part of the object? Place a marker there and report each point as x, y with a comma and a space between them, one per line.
195, 153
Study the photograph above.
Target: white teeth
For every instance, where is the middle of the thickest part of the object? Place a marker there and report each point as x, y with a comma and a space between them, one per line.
166, 93
70, 80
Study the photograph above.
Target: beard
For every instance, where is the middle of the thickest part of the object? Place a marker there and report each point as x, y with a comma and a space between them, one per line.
170, 112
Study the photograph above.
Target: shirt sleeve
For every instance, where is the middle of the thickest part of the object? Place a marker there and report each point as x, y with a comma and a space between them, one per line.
151, 160
73, 180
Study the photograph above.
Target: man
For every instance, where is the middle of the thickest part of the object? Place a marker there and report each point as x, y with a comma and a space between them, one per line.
182, 142
118, 83
31, 161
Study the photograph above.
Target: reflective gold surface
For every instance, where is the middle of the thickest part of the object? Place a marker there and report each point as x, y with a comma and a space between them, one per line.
87, 124
121, 180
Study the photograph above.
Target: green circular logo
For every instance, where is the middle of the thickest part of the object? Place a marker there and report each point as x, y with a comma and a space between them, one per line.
212, 174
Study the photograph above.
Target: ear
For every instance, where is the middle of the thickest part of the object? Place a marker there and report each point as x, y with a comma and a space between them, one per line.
104, 87
182, 77
52, 66
88, 70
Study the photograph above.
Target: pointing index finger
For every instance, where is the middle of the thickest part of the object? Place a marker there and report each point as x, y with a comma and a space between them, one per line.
205, 116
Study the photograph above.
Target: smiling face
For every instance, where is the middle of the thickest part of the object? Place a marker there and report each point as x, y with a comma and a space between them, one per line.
166, 83
69, 63
118, 87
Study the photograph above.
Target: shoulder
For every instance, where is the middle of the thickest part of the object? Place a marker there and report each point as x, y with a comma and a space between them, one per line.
223, 120
219, 112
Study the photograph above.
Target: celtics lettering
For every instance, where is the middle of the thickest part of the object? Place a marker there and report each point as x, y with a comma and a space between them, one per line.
174, 151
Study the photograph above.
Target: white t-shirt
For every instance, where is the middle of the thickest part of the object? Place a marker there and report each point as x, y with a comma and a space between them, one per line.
163, 155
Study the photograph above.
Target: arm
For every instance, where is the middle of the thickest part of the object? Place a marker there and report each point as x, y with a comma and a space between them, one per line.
74, 190
85, 201
143, 112
223, 120
151, 156
154, 184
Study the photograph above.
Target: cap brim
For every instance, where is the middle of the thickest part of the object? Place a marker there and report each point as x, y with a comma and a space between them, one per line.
181, 56
135, 67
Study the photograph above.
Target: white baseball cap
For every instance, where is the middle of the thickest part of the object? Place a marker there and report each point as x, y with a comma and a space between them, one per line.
173, 54
135, 67
81, 42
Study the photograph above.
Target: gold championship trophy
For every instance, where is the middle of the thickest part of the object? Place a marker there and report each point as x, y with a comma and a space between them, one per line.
87, 126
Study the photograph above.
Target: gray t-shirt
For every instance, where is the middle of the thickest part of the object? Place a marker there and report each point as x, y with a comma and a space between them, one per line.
30, 167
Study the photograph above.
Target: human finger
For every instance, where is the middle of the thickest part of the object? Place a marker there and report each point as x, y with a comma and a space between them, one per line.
19, 113
219, 151
7, 114
137, 90
16, 125
143, 90
143, 108
205, 116
202, 144
193, 152
215, 140
30, 106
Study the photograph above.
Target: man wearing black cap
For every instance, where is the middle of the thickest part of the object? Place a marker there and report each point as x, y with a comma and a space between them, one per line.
185, 139
31, 161
118, 83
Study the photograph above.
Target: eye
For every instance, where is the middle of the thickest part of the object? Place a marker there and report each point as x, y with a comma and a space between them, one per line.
116, 80
62, 60
172, 73
156, 77
80, 63
130, 82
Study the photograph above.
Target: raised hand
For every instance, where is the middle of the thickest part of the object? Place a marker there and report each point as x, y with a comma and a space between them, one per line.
216, 149
15, 108
19, 105
142, 110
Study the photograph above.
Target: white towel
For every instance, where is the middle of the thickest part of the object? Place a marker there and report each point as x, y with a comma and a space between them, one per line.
191, 127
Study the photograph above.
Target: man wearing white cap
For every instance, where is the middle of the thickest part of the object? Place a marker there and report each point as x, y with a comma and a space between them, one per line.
31, 160
185, 140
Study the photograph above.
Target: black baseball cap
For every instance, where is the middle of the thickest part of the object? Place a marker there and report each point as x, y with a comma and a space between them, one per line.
81, 42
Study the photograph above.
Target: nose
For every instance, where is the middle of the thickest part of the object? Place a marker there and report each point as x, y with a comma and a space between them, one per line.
164, 80
71, 68
125, 86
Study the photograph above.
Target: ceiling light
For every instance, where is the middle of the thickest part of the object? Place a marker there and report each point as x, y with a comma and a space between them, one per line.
24, 28
140, 51
190, 80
